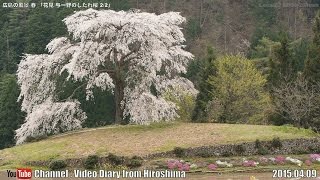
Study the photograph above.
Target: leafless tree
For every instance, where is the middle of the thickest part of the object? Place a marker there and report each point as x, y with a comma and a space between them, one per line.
297, 100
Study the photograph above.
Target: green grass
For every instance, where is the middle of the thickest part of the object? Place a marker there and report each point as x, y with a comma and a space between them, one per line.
142, 140
291, 129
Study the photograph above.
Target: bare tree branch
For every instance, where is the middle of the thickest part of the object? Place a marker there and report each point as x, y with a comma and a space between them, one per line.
297, 99
74, 92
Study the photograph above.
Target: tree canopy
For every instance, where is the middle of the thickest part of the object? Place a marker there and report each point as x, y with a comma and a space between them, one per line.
238, 95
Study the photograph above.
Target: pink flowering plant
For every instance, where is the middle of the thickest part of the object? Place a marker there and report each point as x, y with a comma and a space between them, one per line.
181, 165
250, 163
280, 160
263, 160
314, 157
308, 162
212, 167
171, 164
176, 164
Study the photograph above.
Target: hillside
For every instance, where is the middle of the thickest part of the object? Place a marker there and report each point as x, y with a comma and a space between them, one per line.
141, 140
233, 26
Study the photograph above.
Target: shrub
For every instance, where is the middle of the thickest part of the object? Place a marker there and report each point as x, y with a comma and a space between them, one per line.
276, 143
135, 162
314, 157
308, 162
91, 162
276, 119
257, 144
35, 139
212, 167
185, 167
57, 165
280, 160
240, 149
114, 168
262, 151
179, 152
250, 163
172, 163
263, 160
115, 160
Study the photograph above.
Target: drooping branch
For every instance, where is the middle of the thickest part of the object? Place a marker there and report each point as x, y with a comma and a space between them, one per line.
73, 92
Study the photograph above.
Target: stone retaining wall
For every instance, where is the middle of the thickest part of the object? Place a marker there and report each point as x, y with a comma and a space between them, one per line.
290, 146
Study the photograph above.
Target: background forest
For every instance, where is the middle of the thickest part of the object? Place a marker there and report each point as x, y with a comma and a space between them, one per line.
254, 63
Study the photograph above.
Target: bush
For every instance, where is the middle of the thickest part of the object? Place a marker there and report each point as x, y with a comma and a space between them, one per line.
276, 119
240, 149
262, 151
35, 139
276, 143
135, 162
257, 144
91, 162
57, 165
315, 122
115, 160
179, 152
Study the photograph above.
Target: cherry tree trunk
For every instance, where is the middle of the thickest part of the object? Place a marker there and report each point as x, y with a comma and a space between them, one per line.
118, 93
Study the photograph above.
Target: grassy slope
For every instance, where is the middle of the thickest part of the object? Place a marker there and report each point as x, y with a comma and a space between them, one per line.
141, 140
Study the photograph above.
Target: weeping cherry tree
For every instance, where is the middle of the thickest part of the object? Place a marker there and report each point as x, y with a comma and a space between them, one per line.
137, 56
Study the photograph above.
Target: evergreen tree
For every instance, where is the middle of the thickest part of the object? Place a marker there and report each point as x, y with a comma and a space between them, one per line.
312, 63
284, 64
10, 114
281, 63
42, 26
13, 39
299, 53
119, 5
206, 69
279, 71
4, 12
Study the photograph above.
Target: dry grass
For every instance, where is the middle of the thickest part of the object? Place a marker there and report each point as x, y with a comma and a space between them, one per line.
142, 140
